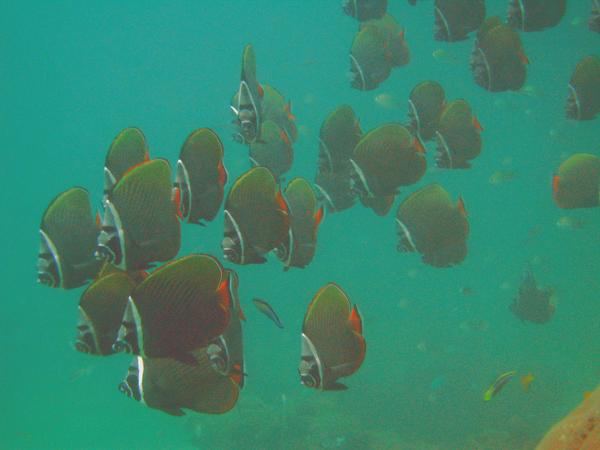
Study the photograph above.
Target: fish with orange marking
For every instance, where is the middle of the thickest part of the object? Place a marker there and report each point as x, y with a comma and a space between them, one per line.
332, 341
299, 248
458, 136
257, 218
526, 381
498, 61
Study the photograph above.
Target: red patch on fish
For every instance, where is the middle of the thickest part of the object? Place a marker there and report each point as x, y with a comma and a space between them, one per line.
476, 124
224, 295
281, 202
222, 173
523, 57
98, 220
288, 110
460, 204
418, 146
261, 91
177, 201
146, 156
319, 217
555, 182
284, 137
355, 320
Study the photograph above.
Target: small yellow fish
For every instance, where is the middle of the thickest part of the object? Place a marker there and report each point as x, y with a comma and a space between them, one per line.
569, 223
587, 395
386, 101
502, 176
526, 381
498, 384
443, 55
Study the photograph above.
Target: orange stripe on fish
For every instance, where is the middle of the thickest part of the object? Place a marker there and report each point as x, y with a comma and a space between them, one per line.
237, 374
523, 57
146, 156
224, 295
281, 202
319, 217
284, 137
555, 183
288, 110
222, 173
460, 204
176, 197
261, 91
98, 220
476, 124
355, 320
419, 145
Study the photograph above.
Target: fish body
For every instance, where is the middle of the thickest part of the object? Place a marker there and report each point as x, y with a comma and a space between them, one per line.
140, 224
247, 102
577, 182
498, 60
299, 248
128, 149
101, 310
458, 136
268, 311
454, 19
178, 308
273, 151
583, 101
256, 218
428, 222
172, 386
365, 9
535, 15
67, 240
425, 105
200, 177
533, 303
498, 385
332, 342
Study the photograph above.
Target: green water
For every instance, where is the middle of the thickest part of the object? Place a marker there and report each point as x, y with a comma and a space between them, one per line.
74, 73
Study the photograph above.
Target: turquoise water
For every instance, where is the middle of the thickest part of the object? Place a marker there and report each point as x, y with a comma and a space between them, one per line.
75, 73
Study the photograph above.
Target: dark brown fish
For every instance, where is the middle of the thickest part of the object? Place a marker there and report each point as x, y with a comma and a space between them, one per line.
365, 9
458, 136
498, 61
200, 177
67, 240
369, 59
339, 134
583, 102
385, 159
455, 19
226, 352
180, 307
333, 345
247, 102
101, 310
576, 185
397, 51
140, 224
429, 223
273, 150
425, 106
535, 15
533, 303
171, 386
334, 190
256, 218
594, 21
128, 149
299, 248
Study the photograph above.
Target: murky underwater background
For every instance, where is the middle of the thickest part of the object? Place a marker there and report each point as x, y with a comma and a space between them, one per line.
75, 73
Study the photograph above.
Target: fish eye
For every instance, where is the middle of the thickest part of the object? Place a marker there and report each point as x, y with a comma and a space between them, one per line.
308, 380
46, 279
104, 253
125, 389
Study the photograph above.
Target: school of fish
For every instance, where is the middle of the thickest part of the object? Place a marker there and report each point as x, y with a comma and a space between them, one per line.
180, 316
